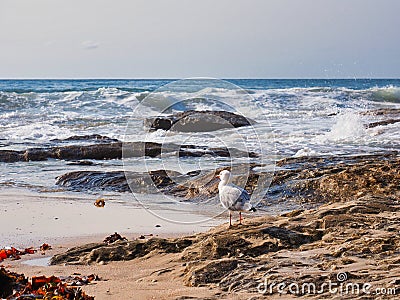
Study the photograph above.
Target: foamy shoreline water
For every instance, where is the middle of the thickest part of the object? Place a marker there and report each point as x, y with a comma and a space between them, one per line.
308, 117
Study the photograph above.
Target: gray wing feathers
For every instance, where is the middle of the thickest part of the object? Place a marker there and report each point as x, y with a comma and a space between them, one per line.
235, 198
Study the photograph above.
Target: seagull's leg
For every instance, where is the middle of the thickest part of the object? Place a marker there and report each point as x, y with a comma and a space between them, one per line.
230, 219
240, 218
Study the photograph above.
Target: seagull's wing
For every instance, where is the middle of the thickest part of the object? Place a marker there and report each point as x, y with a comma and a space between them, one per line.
228, 196
235, 198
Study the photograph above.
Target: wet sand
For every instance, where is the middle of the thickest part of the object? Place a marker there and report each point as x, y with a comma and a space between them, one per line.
30, 219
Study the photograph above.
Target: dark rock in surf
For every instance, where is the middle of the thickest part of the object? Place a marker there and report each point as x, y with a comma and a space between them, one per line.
304, 180
81, 163
198, 121
89, 138
92, 180
382, 123
96, 151
382, 111
11, 156
101, 151
117, 180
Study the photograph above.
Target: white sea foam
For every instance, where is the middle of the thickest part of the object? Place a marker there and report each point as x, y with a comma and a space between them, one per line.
348, 126
38, 132
306, 151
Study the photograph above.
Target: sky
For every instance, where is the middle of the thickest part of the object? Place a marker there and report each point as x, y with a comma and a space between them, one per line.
207, 38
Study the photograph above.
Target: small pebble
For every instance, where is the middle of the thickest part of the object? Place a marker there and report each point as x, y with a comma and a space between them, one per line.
158, 225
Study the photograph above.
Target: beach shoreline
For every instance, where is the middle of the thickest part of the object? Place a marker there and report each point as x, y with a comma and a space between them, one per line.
29, 219
312, 246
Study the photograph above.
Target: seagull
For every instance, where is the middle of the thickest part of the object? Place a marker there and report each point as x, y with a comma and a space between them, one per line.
232, 197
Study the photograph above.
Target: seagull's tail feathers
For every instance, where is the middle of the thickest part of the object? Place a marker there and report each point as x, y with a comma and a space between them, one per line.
249, 207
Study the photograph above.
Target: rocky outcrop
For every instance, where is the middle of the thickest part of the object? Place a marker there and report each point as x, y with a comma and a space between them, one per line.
116, 181
116, 150
87, 138
10, 156
351, 232
390, 115
302, 180
198, 121
382, 123
382, 112
120, 250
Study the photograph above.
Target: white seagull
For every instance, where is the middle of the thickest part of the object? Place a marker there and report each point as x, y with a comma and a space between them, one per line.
232, 197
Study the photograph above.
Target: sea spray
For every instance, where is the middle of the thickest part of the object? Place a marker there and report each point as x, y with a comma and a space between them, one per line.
348, 126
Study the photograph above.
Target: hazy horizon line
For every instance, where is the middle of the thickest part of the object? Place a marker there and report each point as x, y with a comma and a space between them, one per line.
231, 78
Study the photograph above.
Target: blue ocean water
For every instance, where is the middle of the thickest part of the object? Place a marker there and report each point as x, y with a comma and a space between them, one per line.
294, 117
139, 85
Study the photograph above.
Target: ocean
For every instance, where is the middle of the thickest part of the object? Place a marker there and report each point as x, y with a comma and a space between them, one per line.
293, 117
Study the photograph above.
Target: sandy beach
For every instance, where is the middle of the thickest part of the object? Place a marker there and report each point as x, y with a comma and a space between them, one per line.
350, 241
30, 219
309, 247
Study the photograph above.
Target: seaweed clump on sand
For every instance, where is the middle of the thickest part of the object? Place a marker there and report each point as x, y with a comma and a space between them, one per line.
17, 286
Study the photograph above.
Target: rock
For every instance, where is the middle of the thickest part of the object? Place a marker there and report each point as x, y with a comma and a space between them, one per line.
382, 123
115, 150
322, 179
81, 163
10, 156
92, 180
116, 180
72, 152
311, 180
119, 250
95, 151
392, 116
114, 238
290, 237
211, 272
382, 111
73, 255
198, 121
91, 137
